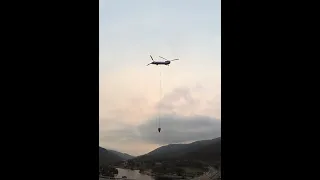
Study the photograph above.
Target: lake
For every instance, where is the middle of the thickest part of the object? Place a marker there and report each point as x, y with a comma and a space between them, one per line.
133, 174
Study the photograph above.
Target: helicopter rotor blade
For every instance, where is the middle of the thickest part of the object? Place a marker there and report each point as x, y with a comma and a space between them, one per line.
174, 60
163, 58
151, 58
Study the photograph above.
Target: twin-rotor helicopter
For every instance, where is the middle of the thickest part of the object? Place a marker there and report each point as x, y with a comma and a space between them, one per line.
167, 62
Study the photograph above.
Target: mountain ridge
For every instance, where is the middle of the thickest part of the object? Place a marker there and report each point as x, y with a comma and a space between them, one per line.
124, 156
203, 150
107, 157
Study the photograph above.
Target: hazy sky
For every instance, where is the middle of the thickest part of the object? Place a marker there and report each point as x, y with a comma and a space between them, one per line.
130, 96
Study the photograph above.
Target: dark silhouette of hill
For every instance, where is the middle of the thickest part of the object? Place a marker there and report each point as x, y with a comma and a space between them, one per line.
124, 156
210, 153
107, 157
206, 150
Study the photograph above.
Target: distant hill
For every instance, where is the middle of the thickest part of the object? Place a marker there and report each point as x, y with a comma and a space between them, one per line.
124, 156
178, 148
110, 156
107, 157
205, 150
210, 153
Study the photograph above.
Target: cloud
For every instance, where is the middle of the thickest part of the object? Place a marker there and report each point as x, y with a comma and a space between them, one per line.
125, 134
126, 139
178, 98
175, 129
178, 129
190, 101
131, 125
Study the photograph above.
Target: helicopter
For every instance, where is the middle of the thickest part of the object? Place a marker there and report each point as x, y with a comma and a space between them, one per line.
167, 62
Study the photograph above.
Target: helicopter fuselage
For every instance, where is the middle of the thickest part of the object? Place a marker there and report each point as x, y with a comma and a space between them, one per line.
161, 62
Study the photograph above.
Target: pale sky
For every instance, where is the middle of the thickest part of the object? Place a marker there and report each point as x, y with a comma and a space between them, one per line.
130, 98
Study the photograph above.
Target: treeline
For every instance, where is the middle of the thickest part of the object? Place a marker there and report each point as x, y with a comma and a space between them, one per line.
107, 171
168, 170
172, 167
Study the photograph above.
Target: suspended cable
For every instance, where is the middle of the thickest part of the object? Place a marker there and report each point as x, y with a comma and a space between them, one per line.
159, 113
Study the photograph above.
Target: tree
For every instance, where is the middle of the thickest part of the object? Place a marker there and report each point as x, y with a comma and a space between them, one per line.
180, 172
108, 171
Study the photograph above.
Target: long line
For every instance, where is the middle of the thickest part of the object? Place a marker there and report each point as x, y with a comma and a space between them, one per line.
160, 100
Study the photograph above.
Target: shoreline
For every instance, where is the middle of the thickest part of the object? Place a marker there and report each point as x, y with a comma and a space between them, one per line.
148, 172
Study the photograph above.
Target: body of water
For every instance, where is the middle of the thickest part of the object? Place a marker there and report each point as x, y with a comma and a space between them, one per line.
133, 174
